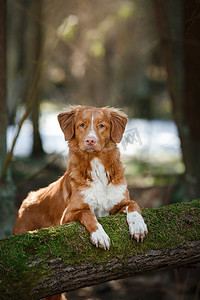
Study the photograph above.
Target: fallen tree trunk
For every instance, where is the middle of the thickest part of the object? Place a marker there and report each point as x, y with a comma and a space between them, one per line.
49, 261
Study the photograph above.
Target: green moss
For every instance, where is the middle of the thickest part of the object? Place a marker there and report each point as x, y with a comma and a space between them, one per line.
26, 258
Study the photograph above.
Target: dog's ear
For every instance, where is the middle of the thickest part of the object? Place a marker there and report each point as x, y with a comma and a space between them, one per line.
118, 122
67, 123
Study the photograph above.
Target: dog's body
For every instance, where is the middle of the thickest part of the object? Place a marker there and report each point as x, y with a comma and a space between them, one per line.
93, 185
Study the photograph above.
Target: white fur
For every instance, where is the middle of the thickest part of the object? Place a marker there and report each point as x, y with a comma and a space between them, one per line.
92, 122
63, 297
100, 238
92, 133
101, 196
137, 226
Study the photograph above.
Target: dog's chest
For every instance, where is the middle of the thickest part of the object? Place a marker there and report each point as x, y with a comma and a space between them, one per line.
102, 196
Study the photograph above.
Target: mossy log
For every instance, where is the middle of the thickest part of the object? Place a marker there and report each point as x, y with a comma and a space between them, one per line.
53, 260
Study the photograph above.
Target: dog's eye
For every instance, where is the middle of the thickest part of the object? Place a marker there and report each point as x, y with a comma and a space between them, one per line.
82, 125
101, 125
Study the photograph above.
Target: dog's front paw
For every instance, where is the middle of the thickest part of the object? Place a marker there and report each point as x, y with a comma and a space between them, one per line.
137, 227
100, 239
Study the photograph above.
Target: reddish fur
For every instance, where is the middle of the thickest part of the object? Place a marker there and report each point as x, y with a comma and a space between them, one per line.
61, 202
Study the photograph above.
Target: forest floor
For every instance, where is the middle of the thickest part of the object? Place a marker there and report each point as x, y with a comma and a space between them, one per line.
175, 284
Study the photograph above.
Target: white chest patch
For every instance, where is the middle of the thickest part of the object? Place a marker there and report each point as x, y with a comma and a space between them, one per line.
101, 196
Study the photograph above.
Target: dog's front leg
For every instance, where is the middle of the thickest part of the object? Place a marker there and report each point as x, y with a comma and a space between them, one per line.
83, 214
137, 227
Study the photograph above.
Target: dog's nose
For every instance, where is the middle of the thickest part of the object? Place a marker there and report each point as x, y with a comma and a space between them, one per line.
90, 141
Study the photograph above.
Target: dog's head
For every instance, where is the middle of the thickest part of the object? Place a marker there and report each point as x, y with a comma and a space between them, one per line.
92, 127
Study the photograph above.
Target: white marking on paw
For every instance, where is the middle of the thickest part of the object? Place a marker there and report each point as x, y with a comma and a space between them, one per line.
137, 227
100, 239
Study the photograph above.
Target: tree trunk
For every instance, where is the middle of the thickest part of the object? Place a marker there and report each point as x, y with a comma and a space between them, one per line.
58, 259
191, 103
37, 52
7, 191
17, 21
179, 30
3, 110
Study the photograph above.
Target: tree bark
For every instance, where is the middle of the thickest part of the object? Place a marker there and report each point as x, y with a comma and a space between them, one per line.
59, 259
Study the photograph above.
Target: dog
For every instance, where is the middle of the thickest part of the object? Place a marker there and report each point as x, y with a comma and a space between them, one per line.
93, 185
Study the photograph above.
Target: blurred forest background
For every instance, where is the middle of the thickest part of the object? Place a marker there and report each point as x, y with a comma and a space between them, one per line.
141, 56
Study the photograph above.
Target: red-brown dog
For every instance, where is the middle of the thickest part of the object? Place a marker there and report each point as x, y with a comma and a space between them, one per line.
93, 185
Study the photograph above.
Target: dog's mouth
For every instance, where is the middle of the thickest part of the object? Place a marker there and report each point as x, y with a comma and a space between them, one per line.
91, 149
